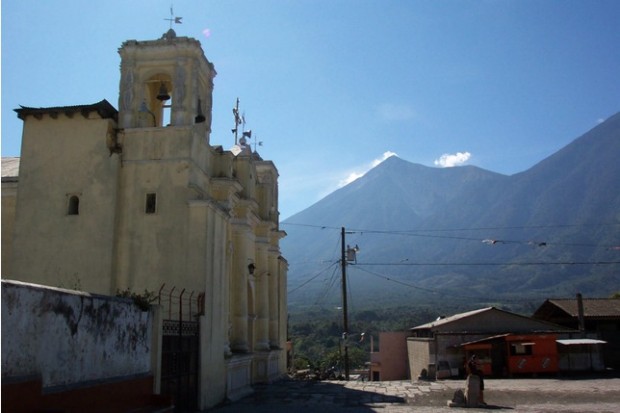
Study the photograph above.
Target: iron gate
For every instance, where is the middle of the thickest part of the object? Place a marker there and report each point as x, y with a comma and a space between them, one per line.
180, 351
179, 364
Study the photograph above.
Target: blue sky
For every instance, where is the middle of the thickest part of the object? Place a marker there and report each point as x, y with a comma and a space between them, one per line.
331, 86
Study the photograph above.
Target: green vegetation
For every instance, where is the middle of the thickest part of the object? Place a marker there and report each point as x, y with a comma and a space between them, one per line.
143, 301
316, 333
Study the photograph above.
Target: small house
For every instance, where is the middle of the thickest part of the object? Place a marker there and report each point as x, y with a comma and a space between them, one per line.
387, 363
510, 354
598, 318
506, 343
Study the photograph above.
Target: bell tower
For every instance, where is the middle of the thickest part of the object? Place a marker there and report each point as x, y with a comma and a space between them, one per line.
165, 82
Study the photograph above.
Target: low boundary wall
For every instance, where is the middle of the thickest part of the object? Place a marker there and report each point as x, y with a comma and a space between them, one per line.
58, 344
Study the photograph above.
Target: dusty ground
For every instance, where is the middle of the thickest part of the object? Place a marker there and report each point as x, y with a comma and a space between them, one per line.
534, 395
599, 395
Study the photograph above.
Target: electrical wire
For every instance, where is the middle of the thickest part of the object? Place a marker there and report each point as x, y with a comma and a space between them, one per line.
443, 292
330, 285
483, 264
456, 229
489, 241
423, 233
312, 278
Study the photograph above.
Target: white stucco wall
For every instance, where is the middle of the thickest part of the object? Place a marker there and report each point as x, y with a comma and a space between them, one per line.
63, 157
68, 337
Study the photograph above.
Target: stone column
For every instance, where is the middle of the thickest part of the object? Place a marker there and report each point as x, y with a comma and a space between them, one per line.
179, 95
262, 296
223, 276
127, 98
239, 289
216, 280
274, 275
282, 310
214, 321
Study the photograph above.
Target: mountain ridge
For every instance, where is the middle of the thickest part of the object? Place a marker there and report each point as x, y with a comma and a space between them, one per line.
564, 209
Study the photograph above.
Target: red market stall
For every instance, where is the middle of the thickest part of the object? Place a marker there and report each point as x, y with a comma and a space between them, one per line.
510, 354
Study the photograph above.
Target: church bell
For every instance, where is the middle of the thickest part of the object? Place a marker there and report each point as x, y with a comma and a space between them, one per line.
163, 93
200, 117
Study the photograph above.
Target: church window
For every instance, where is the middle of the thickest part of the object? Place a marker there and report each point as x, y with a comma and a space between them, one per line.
74, 205
166, 113
151, 203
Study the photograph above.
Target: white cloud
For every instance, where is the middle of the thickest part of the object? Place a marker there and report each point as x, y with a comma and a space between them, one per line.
395, 112
352, 177
297, 192
361, 171
448, 160
382, 158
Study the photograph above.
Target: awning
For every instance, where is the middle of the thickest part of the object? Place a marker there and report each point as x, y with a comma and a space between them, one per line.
578, 341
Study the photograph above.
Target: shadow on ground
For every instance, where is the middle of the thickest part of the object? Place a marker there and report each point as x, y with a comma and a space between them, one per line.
321, 391
311, 396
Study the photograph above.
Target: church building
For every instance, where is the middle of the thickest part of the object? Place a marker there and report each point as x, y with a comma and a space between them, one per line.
137, 199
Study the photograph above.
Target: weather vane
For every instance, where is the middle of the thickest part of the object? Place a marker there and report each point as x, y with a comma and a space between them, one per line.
173, 19
238, 120
245, 134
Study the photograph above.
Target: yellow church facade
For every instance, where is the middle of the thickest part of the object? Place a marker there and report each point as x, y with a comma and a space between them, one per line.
137, 198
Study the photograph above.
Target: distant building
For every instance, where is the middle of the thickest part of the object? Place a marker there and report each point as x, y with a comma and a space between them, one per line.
599, 316
388, 363
501, 339
512, 354
138, 199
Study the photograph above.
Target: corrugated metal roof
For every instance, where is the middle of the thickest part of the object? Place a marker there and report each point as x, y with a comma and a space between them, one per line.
451, 319
10, 169
592, 307
576, 341
490, 320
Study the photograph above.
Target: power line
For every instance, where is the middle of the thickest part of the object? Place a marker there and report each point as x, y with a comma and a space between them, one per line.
501, 228
488, 241
423, 233
361, 265
312, 278
330, 284
482, 264
456, 229
401, 282
443, 293
309, 225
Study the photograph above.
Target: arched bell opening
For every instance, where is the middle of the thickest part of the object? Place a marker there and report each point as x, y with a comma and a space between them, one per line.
157, 104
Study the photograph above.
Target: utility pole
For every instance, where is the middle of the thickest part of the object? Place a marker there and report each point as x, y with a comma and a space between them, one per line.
345, 316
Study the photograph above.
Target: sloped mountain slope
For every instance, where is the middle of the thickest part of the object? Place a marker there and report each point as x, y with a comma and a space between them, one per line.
468, 231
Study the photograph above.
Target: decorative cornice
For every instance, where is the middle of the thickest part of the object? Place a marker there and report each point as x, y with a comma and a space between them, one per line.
103, 108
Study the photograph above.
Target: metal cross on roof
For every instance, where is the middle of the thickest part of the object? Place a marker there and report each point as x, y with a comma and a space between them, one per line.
173, 18
238, 120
